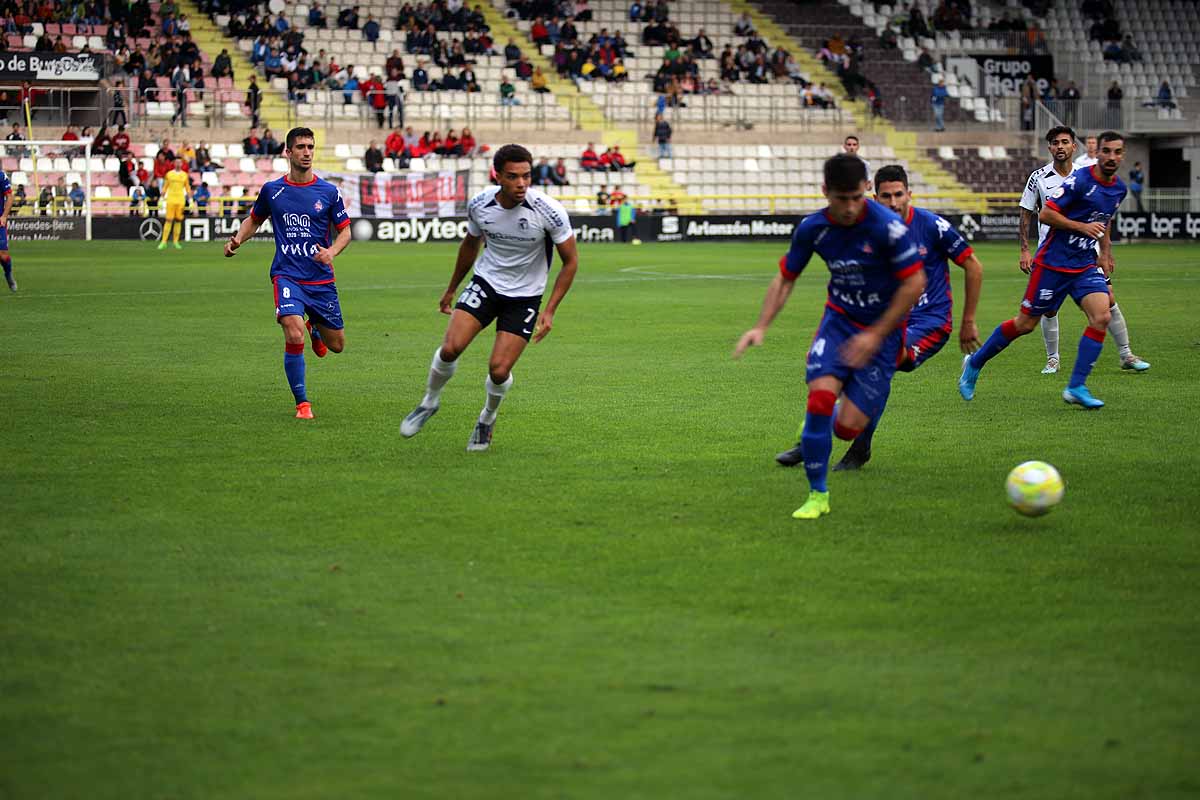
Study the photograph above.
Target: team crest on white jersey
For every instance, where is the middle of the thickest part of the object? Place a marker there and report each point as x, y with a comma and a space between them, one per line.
523, 224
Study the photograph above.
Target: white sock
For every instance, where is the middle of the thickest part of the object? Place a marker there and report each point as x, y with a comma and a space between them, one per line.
495, 393
439, 373
1120, 332
1050, 336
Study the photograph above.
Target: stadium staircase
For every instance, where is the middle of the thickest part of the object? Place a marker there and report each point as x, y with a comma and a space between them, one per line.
903, 142
588, 116
273, 113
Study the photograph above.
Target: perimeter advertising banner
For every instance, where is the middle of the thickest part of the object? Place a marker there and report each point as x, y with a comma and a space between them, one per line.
49, 67
588, 229
45, 229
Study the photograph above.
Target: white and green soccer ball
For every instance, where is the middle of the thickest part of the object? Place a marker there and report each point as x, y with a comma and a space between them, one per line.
1034, 488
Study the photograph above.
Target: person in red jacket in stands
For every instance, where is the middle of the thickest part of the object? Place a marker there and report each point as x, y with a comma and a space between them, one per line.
467, 142
450, 145
373, 92
589, 160
394, 144
120, 141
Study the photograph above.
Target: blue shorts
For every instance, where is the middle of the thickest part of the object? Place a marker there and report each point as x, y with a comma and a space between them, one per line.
868, 387
924, 336
1048, 288
319, 301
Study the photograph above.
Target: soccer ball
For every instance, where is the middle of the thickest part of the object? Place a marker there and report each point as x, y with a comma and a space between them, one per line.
1034, 488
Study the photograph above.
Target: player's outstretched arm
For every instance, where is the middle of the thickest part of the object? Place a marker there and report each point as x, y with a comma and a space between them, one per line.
249, 226
1054, 219
1027, 221
468, 251
860, 349
968, 332
777, 296
569, 253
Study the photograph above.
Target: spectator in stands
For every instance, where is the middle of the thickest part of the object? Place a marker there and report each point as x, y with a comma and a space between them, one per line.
1112, 52
162, 165
1132, 54
395, 64
316, 16
77, 199
200, 196
602, 199
616, 198
568, 33
635, 11
253, 100
523, 68
467, 144
394, 145
937, 99
252, 144
662, 135
222, 65
375, 94
617, 159
373, 158
420, 78
508, 93
270, 145
1165, 98
468, 80
539, 33
120, 141
702, 46
744, 25
512, 53
153, 195
538, 82
349, 86
917, 27
589, 161
888, 39
202, 161
44, 44
1137, 180
411, 140
370, 29
348, 18
543, 173
394, 94
137, 200
181, 81
582, 12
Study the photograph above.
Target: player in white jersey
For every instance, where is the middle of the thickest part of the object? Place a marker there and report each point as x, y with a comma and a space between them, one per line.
1060, 141
1088, 159
522, 227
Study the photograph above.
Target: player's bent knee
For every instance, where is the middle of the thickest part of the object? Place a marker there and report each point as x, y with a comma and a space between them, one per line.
499, 374
821, 401
845, 432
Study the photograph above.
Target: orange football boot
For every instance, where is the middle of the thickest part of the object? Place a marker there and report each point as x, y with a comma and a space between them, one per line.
319, 348
304, 411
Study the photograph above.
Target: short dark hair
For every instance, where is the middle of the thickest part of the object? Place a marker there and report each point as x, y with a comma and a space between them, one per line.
889, 174
1109, 136
511, 154
845, 173
296, 133
1059, 130
848, 138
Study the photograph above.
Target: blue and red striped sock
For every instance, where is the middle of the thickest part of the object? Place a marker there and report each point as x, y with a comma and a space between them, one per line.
293, 367
1001, 338
1090, 345
817, 439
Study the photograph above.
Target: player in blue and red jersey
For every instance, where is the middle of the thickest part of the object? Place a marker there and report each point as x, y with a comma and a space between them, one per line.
1078, 213
932, 319
304, 210
5, 258
876, 276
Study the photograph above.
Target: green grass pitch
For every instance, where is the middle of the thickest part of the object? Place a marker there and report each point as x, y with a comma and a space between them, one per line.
205, 598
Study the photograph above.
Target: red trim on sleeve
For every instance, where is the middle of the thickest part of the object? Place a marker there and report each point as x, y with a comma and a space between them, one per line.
1053, 206
7, 192
909, 270
784, 271
961, 258
343, 225
317, 283
256, 217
